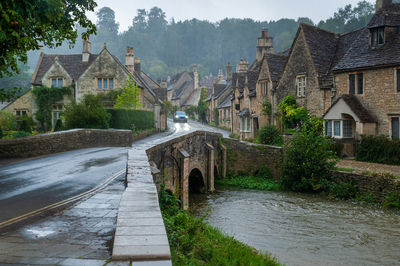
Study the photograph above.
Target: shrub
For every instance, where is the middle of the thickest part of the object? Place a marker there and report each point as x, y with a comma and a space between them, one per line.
392, 200
234, 136
90, 113
124, 119
8, 121
308, 161
264, 172
379, 149
25, 123
59, 125
291, 114
336, 148
21, 134
270, 135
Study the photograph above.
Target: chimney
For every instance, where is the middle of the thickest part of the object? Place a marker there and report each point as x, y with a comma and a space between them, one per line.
87, 49
229, 71
137, 67
243, 66
163, 84
265, 45
129, 59
382, 4
220, 76
196, 77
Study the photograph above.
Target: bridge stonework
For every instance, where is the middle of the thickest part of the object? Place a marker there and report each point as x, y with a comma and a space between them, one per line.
177, 161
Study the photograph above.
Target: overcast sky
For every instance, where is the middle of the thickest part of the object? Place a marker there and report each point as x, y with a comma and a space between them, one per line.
215, 10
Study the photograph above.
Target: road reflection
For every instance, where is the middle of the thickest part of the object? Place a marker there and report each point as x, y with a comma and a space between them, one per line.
181, 127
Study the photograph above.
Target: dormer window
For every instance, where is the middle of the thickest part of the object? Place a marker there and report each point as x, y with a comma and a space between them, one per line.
377, 37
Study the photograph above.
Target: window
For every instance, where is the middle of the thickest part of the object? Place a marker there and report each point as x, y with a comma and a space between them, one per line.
352, 84
377, 37
57, 82
398, 80
336, 128
347, 129
105, 83
395, 128
301, 86
328, 128
245, 124
360, 83
21, 113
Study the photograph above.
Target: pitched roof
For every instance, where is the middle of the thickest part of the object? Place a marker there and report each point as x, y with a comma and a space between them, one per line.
276, 64
226, 103
193, 99
71, 63
180, 90
385, 17
322, 46
355, 105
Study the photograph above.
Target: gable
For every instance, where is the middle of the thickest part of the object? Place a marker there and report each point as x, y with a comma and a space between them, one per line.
56, 70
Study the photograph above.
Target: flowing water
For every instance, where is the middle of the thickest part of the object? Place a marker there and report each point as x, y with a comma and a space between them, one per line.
304, 229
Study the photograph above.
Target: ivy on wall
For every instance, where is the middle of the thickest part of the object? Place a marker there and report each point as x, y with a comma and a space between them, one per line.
45, 97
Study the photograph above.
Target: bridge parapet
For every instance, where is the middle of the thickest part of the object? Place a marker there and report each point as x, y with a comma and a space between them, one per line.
189, 163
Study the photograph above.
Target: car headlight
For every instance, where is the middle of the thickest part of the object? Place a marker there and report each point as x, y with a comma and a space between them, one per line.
176, 116
186, 116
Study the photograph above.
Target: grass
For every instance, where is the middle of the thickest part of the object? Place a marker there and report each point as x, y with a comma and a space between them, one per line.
194, 242
350, 170
250, 182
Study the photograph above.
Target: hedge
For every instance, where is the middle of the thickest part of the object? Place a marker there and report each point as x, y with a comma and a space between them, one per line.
124, 119
379, 149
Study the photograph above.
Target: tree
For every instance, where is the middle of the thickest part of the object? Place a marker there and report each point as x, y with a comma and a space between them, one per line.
139, 22
202, 106
27, 25
291, 114
130, 97
106, 20
308, 162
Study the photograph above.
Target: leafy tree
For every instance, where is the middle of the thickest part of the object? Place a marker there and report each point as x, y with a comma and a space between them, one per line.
130, 97
12, 86
291, 114
140, 21
106, 20
202, 105
27, 25
308, 163
90, 113
8, 121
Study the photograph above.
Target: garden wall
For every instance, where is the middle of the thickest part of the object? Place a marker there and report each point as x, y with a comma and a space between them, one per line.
246, 158
65, 141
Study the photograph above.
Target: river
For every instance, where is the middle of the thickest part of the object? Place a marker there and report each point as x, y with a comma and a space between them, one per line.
300, 229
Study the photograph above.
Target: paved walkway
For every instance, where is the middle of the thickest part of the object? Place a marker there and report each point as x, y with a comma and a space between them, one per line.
360, 167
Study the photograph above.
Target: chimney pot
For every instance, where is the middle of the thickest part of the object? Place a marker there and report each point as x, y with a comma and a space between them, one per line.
137, 65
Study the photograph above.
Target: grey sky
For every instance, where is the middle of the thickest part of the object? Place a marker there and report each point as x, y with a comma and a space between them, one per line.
214, 10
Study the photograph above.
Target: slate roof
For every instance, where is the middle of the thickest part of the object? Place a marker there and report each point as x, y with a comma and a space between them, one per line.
385, 17
193, 99
179, 91
244, 112
226, 103
276, 64
355, 105
72, 64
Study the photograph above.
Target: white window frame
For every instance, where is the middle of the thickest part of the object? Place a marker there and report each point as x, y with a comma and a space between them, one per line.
301, 85
332, 129
245, 124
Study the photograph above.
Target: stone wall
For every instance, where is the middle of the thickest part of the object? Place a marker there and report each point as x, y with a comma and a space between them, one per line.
246, 158
380, 186
65, 141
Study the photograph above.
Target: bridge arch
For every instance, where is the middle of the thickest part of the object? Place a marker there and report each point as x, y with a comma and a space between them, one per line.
196, 182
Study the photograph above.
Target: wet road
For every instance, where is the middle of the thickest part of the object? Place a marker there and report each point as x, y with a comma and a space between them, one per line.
30, 185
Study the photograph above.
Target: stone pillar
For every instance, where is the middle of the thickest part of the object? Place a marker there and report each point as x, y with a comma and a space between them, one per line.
223, 150
185, 159
210, 168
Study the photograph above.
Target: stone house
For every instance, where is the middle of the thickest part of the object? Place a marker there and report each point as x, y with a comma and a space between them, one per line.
366, 99
255, 88
183, 89
89, 73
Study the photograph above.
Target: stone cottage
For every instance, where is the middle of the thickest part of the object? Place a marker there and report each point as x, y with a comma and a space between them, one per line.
89, 73
183, 89
255, 88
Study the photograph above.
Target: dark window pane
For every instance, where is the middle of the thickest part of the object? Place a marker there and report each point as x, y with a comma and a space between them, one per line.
398, 80
336, 128
54, 82
352, 84
104, 83
347, 128
360, 83
374, 41
111, 83
329, 128
381, 36
395, 128
60, 83
99, 84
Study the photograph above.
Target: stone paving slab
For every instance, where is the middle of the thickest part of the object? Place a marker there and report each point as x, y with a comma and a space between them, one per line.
141, 253
140, 230
152, 263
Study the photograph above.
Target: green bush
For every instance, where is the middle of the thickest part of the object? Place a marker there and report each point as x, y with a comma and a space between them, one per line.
308, 161
125, 118
270, 135
59, 126
392, 200
291, 114
336, 148
21, 134
234, 136
25, 123
90, 113
8, 121
379, 149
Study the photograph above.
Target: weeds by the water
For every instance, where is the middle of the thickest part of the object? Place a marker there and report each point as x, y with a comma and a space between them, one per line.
194, 242
250, 182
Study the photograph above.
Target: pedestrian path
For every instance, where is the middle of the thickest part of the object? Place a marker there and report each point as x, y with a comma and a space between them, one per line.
365, 167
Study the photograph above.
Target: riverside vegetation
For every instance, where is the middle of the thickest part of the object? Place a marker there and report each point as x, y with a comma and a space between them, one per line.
194, 242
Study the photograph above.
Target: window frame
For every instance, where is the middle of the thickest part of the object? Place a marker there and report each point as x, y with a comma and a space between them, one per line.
103, 83
392, 128
301, 86
377, 37
330, 128
397, 80
245, 124
354, 83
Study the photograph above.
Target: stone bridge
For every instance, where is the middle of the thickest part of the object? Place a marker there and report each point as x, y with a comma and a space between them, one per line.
189, 163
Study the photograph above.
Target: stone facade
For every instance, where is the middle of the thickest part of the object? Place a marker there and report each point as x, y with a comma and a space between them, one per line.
64, 141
